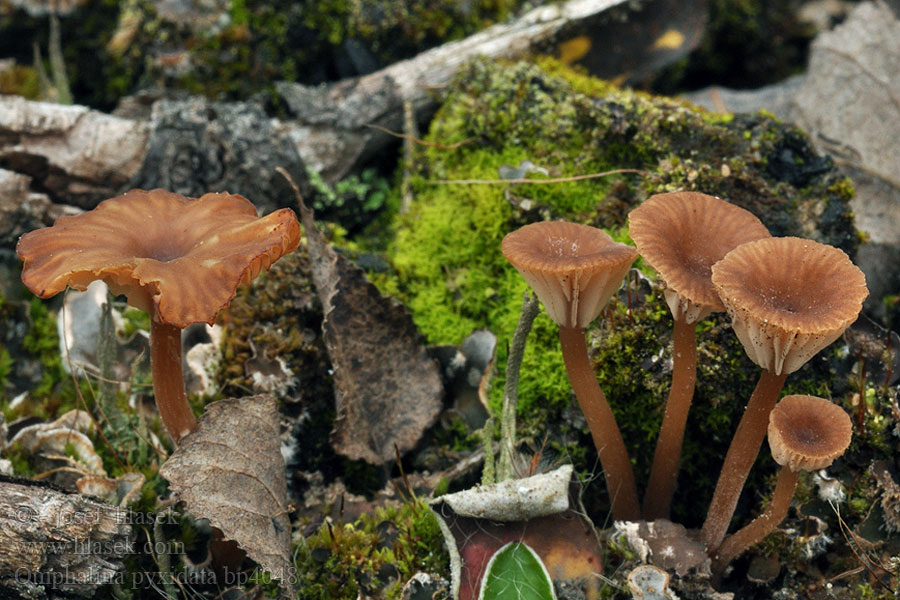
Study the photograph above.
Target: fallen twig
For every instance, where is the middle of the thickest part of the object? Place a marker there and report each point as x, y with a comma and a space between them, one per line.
552, 180
421, 142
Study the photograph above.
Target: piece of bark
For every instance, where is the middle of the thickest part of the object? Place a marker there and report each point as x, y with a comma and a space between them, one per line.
197, 146
20, 209
59, 542
75, 154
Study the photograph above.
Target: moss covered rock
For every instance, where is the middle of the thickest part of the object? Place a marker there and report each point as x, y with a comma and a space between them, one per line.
450, 271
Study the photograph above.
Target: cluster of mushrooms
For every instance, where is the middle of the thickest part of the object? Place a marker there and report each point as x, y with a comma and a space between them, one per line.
788, 298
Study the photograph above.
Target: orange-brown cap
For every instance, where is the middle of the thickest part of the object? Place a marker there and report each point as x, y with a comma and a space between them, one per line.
681, 235
788, 298
574, 269
180, 259
808, 433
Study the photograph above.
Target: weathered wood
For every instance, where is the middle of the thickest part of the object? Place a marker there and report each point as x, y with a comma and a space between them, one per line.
76, 154
54, 541
79, 156
333, 133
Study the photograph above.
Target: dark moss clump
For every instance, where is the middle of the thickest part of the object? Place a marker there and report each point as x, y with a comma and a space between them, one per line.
238, 49
373, 556
96, 77
747, 44
30, 360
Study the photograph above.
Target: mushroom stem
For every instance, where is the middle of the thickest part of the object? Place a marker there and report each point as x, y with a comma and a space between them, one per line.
752, 533
740, 457
602, 423
666, 459
168, 381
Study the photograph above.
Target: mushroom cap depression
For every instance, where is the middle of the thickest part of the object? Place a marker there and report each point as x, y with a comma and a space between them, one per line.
179, 259
574, 269
682, 235
788, 298
808, 433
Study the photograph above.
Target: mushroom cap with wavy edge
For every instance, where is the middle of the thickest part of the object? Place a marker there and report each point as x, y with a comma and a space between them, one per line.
574, 269
179, 259
807, 433
788, 298
682, 235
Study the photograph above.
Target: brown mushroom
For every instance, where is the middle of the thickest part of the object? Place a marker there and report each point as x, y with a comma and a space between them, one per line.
574, 270
179, 259
787, 298
681, 235
805, 434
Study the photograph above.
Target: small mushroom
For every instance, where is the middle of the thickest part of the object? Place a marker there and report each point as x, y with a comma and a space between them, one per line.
574, 270
681, 235
179, 259
787, 298
805, 434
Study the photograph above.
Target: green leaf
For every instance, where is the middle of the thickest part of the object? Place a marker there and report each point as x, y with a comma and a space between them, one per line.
516, 572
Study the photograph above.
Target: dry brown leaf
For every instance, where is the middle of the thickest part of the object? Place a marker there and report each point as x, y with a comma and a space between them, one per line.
387, 389
230, 471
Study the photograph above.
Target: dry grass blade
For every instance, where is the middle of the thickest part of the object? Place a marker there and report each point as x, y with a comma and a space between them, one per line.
854, 543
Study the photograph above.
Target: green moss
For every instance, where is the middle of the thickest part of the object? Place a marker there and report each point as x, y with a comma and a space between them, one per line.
20, 81
843, 188
134, 320
6, 364
56, 392
20, 459
344, 560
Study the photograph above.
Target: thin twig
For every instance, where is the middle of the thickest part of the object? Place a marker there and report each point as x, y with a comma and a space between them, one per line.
488, 473
552, 180
853, 544
530, 309
412, 138
409, 157
58, 64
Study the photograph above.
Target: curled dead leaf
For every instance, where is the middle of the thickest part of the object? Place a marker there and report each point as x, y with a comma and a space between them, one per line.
387, 389
231, 472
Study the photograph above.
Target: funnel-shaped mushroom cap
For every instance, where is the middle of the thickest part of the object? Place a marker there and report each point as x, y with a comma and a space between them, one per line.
180, 259
682, 235
808, 433
788, 298
574, 269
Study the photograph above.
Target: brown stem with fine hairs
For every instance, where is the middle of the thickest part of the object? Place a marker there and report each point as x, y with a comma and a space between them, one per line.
168, 381
602, 423
666, 459
752, 533
743, 450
